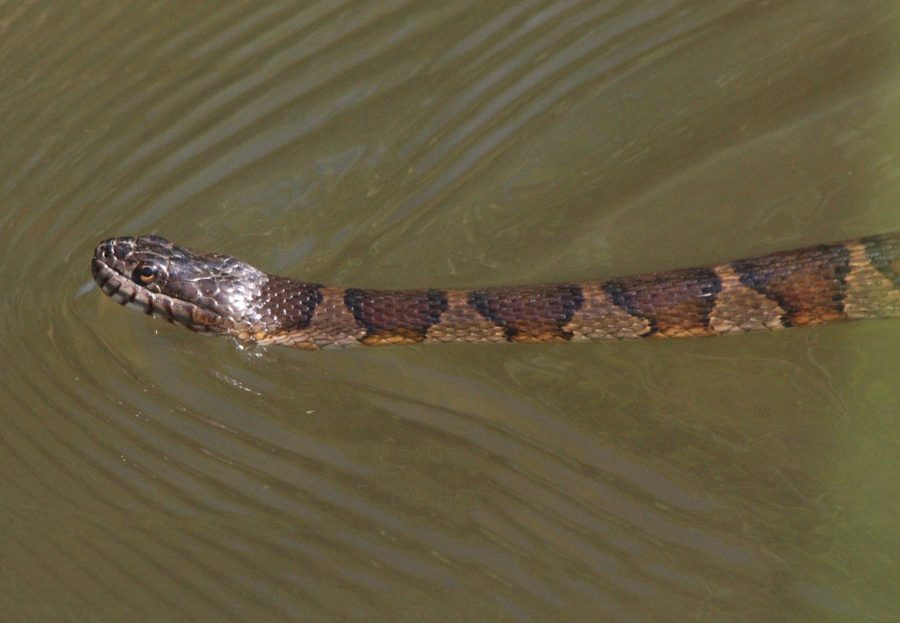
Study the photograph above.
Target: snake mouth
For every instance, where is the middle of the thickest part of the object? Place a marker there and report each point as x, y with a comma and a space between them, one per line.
126, 292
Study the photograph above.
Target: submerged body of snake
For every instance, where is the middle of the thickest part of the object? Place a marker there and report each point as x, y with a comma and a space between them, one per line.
219, 294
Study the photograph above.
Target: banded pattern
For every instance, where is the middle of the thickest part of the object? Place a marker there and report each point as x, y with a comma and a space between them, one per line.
219, 294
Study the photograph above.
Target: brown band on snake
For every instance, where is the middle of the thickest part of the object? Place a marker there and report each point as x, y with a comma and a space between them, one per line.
219, 294
532, 314
291, 300
810, 287
674, 303
395, 316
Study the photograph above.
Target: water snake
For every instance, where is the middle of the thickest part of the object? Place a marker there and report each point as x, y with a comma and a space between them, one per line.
219, 294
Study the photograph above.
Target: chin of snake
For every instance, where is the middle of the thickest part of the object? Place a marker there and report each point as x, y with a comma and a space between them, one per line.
218, 294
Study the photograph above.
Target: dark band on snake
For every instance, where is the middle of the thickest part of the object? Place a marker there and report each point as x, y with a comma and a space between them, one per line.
395, 314
535, 313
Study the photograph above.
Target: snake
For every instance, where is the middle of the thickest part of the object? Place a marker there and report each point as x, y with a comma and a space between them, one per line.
220, 295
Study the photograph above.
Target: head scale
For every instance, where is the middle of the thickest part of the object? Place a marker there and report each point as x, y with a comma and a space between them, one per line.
203, 292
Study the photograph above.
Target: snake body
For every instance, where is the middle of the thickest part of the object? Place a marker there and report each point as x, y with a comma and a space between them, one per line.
219, 294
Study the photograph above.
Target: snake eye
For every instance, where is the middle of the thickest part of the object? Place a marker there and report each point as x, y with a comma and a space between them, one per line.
146, 274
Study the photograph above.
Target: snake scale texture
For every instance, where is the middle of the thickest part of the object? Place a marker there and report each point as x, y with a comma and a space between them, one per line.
219, 294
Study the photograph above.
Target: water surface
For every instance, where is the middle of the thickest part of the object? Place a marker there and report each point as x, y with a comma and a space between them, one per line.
147, 473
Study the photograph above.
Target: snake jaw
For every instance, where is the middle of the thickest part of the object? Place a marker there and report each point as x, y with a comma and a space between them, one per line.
129, 294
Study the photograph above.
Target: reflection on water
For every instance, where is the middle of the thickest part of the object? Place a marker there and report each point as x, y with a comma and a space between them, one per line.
146, 469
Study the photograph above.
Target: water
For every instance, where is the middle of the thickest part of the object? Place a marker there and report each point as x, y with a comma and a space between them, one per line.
147, 473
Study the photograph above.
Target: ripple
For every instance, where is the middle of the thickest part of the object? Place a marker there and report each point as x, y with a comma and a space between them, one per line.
407, 144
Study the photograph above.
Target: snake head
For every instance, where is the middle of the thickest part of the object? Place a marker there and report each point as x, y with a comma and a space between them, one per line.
203, 292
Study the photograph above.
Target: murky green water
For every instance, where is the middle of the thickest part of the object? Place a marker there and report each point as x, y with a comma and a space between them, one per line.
149, 474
